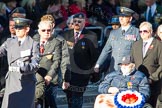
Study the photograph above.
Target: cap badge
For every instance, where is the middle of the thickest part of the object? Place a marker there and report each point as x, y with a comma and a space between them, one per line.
17, 21
122, 10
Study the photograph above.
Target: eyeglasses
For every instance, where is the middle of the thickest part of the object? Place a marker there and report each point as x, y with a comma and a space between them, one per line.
48, 30
143, 31
12, 25
79, 21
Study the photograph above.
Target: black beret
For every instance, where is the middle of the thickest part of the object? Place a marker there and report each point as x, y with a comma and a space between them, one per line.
79, 15
22, 22
126, 11
19, 10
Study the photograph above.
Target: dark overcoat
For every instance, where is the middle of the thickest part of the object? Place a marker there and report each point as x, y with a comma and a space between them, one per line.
83, 55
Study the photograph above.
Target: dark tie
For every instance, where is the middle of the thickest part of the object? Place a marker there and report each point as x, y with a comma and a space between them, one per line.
19, 43
123, 32
144, 48
149, 14
76, 37
42, 47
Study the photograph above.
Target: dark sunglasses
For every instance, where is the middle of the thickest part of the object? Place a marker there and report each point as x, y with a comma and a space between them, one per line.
70, 23
144, 31
77, 21
48, 30
19, 27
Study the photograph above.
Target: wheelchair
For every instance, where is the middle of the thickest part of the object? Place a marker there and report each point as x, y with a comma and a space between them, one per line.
147, 105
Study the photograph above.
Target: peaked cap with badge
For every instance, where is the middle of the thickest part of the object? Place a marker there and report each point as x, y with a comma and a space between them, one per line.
79, 15
22, 22
126, 11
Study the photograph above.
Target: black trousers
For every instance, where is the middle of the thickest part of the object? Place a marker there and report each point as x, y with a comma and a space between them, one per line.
155, 92
50, 96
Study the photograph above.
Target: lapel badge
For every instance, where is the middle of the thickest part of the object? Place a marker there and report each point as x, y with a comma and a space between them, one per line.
151, 46
83, 45
122, 10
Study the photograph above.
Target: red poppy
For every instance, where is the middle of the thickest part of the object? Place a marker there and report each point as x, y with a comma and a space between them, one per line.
151, 46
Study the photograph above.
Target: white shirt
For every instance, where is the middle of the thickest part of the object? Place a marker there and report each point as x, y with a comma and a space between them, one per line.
125, 28
149, 41
22, 40
78, 32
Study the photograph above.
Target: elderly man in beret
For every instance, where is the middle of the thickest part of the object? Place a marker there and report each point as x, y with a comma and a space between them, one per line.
82, 45
22, 53
120, 41
127, 78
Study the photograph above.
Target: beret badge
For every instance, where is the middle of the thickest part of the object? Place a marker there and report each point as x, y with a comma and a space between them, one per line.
80, 16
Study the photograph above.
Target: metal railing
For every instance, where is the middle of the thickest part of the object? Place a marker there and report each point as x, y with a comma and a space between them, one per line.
106, 29
101, 37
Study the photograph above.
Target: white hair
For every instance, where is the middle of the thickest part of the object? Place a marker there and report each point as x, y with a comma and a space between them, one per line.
42, 23
70, 19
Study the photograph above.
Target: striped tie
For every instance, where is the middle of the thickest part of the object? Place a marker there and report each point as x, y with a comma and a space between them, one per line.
76, 37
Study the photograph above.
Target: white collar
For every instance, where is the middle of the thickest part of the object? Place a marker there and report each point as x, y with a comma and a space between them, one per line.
22, 39
125, 27
78, 32
149, 40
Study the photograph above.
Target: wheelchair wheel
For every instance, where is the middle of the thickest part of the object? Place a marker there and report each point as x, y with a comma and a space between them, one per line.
147, 106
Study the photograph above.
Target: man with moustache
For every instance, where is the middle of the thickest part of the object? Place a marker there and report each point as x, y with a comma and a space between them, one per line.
82, 46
